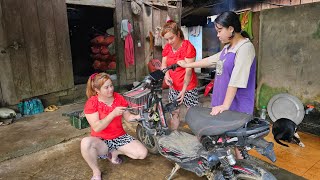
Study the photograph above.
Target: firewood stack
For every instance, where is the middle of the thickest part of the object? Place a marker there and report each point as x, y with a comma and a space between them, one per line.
103, 53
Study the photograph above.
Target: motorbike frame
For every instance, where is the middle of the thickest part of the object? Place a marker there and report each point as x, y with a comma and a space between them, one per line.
222, 155
155, 104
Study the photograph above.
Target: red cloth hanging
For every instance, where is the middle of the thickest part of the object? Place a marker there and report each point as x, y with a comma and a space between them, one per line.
129, 48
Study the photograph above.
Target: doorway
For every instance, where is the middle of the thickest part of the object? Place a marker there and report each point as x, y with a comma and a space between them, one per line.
91, 31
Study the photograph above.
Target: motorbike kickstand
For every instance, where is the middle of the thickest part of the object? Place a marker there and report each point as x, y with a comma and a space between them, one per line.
174, 170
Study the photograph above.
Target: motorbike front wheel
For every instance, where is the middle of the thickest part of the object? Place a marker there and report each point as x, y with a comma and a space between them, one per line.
245, 171
149, 141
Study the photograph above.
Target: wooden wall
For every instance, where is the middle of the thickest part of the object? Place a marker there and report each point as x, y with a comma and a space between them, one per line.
35, 56
35, 50
151, 17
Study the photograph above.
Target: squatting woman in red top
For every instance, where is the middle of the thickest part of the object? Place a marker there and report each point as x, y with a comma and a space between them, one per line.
104, 110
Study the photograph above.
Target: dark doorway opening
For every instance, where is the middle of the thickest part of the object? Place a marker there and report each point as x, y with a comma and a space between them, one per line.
86, 23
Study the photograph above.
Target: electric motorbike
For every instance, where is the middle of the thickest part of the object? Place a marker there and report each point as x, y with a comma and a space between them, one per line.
208, 151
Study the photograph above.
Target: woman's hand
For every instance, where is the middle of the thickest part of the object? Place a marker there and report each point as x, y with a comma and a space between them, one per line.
131, 117
168, 80
180, 97
118, 111
134, 118
218, 109
182, 63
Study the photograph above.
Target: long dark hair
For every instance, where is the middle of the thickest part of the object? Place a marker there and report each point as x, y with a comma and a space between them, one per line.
230, 18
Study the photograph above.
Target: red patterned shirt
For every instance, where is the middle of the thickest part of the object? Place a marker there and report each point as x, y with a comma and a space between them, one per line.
114, 129
186, 50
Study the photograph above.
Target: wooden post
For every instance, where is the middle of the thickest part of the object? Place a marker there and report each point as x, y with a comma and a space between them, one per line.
121, 70
127, 14
33, 45
147, 13
139, 46
63, 43
155, 23
49, 46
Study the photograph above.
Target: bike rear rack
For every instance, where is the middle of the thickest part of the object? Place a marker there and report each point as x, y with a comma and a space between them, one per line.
258, 130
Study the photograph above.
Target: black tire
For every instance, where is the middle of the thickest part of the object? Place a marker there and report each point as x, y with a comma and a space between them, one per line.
256, 172
149, 141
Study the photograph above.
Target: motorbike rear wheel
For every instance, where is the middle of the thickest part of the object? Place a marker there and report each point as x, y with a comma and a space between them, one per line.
149, 141
245, 171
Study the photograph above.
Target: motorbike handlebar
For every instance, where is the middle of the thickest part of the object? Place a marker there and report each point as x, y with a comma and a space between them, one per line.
147, 80
173, 67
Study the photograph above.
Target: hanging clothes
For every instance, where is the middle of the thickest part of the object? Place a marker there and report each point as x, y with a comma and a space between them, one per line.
197, 42
195, 31
212, 18
246, 22
126, 29
158, 37
185, 32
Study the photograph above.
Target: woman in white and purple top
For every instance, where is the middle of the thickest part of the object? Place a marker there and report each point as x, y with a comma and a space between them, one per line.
235, 80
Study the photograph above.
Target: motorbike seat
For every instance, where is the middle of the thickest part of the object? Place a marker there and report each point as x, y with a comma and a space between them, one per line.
202, 123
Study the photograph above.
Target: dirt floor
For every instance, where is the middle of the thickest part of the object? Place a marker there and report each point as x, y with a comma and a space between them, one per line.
46, 146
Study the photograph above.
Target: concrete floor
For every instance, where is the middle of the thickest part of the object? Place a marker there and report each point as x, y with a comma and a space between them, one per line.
46, 146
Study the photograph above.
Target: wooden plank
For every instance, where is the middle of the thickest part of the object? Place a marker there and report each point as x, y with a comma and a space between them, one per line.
275, 4
155, 18
175, 13
33, 45
19, 63
147, 12
116, 35
101, 3
127, 14
295, 2
63, 43
49, 44
265, 5
2, 102
157, 52
285, 2
138, 36
306, 1
7, 89
163, 17
255, 30
121, 70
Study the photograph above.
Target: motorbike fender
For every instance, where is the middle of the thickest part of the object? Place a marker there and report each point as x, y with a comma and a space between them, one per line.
265, 148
